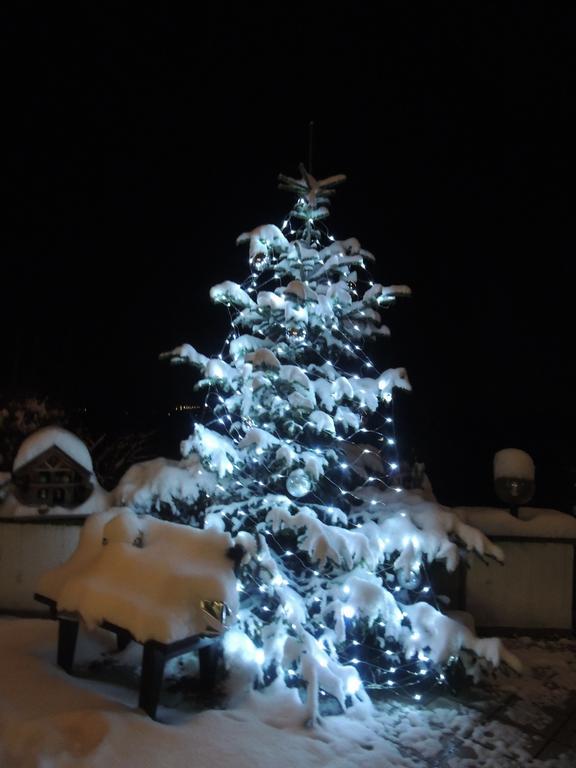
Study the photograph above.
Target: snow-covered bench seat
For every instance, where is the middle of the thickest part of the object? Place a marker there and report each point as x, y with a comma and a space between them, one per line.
170, 587
534, 590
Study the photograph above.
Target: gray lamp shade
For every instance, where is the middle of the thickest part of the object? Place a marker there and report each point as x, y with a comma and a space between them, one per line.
514, 491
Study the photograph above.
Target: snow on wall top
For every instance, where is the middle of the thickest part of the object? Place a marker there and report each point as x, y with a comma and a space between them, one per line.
512, 462
45, 438
149, 577
532, 521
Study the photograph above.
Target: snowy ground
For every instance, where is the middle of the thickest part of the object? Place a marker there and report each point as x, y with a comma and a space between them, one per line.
51, 720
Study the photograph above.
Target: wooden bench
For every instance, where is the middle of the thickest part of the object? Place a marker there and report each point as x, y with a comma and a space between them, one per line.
154, 657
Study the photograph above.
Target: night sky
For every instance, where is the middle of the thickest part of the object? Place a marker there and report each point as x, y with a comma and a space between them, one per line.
140, 147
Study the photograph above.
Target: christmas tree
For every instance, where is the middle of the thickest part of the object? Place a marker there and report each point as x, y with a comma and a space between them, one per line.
298, 461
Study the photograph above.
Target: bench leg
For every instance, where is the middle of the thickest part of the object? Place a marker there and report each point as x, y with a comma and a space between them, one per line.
209, 657
153, 662
67, 636
123, 638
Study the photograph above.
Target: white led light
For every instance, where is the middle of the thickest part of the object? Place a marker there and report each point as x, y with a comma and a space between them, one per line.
353, 685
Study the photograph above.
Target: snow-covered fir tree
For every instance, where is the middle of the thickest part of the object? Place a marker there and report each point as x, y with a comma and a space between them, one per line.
297, 460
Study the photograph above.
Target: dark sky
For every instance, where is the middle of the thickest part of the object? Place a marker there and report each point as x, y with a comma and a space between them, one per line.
140, 147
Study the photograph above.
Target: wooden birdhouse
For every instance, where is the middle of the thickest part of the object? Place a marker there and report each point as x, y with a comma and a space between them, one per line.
52, 479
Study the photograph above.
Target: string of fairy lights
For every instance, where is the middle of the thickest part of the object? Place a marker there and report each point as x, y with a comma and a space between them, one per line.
382, 666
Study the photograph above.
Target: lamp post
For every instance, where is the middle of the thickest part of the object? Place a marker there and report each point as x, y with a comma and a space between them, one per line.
513, 478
